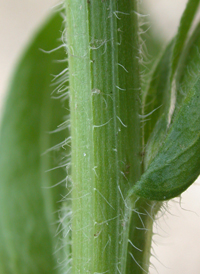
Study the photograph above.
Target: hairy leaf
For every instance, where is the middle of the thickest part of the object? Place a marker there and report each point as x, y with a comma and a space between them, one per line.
157, 97
172, 159
177, 164
161, 97
189, 69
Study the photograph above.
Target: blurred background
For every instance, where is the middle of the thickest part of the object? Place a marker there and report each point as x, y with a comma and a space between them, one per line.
177, 233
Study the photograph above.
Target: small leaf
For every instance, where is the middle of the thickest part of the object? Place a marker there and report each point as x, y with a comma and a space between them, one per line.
173, 167
161, 97
177, 164
27, 200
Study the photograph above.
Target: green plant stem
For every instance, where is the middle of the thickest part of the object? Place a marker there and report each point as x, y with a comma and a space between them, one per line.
140, 235
103, 50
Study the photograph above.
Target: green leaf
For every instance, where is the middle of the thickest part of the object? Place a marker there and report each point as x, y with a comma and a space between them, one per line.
28, 200
172, 159
189, 68
159, 101
184, 28
177, 164
157, 98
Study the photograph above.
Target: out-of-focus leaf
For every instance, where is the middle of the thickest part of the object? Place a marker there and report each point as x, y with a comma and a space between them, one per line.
28, 204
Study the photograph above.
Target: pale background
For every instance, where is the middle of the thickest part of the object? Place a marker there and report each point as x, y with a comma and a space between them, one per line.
177, 245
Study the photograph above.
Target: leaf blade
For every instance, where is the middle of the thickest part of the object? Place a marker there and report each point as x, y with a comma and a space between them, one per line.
173, 167
26, 207
177, 164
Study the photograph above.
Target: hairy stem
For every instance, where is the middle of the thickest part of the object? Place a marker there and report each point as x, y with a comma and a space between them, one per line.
103, 50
